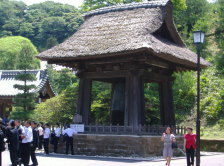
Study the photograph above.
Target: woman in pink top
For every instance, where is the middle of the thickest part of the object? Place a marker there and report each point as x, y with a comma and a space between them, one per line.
190, 146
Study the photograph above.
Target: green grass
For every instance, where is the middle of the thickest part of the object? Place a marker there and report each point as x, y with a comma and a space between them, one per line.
215, 132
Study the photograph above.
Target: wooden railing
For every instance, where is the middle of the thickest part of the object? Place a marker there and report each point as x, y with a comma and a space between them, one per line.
130, 130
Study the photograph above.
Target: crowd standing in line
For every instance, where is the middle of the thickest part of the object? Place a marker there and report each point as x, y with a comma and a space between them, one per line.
23, 138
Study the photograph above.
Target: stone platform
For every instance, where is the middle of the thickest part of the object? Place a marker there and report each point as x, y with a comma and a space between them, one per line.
117, 145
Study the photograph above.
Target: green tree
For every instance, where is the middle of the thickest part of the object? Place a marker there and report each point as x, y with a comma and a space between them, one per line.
60, 80
11, 52
187, 18
60, 108
220, 37
24, 102
39, 22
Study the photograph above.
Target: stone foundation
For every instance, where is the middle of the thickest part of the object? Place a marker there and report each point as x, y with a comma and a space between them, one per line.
117, 145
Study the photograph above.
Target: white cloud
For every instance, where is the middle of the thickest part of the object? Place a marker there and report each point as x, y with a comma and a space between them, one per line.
75, 3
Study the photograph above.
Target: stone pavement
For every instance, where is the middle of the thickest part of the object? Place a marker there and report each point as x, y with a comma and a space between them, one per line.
213, 159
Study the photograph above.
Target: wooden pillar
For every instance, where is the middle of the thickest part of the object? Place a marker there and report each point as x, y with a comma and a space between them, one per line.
166, 104
127, 99
84, 99
134, 102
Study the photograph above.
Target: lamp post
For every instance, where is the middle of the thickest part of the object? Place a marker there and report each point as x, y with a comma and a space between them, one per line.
198, 40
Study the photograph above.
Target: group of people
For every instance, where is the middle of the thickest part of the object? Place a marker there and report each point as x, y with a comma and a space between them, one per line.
170, 142
24, 138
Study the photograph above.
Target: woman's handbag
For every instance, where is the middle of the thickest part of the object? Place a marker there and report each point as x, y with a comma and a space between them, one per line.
174, 145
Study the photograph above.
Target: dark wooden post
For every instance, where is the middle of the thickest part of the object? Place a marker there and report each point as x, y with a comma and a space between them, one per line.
84, 99
166, 104
134, 105
127, 99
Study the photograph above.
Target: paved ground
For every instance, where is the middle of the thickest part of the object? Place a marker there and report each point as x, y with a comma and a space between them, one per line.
63, 160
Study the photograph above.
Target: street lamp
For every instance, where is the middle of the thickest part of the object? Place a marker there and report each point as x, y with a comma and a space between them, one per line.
199, 37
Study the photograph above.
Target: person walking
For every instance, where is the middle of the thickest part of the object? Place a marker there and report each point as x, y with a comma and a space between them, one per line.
40, 135
57, 137
190, 146
69, 138
13, 142
47, 133
168, 138
34, 143
27, 138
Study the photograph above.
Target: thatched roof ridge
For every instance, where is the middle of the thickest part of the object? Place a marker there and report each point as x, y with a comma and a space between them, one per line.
137, 29
130, 6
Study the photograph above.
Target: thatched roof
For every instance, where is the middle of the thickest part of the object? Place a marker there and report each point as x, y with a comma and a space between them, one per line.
123, 29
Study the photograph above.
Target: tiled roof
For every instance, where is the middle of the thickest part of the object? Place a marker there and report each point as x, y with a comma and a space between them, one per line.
7, 81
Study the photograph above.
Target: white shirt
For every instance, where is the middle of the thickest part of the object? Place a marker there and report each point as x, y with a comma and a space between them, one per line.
57, 132
41, 131
47, 133
28, 133
22, 129
69, 131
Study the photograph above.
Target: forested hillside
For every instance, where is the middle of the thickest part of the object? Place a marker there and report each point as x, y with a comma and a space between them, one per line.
47, 24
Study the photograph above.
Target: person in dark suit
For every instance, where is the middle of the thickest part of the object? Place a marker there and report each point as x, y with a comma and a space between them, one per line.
13, 142
2, 142
34, 143
20, 131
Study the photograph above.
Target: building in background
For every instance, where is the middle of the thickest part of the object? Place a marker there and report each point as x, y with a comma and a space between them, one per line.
8, 92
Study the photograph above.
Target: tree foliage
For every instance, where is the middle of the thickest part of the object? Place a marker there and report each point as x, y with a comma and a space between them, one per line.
220, 36
12, 53
60, 80
58, 109
24, 102
39, 22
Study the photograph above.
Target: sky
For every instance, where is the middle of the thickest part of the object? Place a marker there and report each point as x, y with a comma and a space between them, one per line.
75, 3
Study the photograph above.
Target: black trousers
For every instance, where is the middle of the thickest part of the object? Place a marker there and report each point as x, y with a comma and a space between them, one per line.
33, 155
13, 156
46, 145
19, 150
56, 140
190, 156
0, 158
69, 142
40, 143
25, 155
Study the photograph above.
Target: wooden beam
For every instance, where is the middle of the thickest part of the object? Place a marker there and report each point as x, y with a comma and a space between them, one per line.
105, 74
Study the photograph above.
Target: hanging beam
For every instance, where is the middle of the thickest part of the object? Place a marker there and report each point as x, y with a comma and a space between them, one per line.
166, 104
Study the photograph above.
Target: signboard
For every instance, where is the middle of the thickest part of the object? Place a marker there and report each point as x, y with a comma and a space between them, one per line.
78, 127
